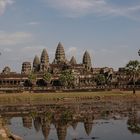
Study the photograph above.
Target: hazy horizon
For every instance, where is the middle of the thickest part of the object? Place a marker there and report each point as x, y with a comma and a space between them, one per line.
109, 30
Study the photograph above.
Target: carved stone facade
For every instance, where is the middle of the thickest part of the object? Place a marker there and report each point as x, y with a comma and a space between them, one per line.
87, 60
44, 61
26, 68
6, 70
73, 61
60, 54
36, 64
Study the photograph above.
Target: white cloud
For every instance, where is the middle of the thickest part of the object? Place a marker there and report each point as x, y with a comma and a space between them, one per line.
71, 5
33, 23
7, 50
4, 4
33, 48
72, 50
14, 38
76, 8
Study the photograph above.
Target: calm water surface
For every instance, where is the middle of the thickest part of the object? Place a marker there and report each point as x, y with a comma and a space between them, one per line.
102, 121
101, 129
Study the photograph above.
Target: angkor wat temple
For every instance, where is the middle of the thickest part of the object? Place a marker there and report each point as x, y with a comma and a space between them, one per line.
43, 75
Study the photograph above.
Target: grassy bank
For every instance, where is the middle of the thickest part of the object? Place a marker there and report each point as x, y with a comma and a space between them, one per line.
38, 98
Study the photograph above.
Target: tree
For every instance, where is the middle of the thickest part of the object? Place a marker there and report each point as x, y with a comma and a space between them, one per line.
32, 78
139, 52
67, 78
47, 77
133, 123
133, 69
107, 73
133, 126
108, 77
100, 79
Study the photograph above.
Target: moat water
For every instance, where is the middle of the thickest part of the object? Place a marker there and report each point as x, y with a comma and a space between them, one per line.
89, 121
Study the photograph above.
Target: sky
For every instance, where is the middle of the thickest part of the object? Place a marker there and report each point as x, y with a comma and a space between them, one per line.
108, 29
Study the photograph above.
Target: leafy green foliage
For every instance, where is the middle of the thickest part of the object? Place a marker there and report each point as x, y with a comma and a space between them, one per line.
133, 123
66, 116
134, 128
100, 79
133, 69
32, 78
48, 116
107, 73
47, 77
67, 78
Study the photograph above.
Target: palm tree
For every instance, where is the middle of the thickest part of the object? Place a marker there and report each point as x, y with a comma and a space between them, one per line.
133, 69
139, 52
32, 79
47, 77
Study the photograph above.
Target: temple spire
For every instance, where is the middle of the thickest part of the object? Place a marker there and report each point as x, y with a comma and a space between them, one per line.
46, 130
44, 60
73, 61
60, 53
87, 60
36, 64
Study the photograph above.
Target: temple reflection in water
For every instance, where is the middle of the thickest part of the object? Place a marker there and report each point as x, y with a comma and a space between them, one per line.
58, 120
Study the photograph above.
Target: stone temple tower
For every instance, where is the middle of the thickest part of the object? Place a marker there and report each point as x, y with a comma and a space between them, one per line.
60, 54
87, 60
44, 62
26, 68
73, 61
36, 64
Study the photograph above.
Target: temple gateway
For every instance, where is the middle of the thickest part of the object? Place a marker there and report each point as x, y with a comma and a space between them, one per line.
64, 74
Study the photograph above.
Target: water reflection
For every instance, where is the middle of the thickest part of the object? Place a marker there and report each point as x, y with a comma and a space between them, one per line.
61, 122
27, 121
37, 123
133, 122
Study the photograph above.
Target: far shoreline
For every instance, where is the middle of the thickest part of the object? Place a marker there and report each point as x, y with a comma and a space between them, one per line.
64, 98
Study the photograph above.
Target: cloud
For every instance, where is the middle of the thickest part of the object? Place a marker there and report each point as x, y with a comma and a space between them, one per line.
72, 50
14, 38
33, 23
33, 48
77, 8
73, 5
7, 50
4, 4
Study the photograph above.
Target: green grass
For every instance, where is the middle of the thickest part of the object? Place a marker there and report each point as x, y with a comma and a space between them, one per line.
38, 98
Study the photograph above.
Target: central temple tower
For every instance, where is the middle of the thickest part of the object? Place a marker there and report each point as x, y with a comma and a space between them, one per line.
87, 60
59, 54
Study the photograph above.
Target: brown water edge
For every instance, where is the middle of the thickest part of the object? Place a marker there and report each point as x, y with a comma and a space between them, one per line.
5, 133
64, 98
